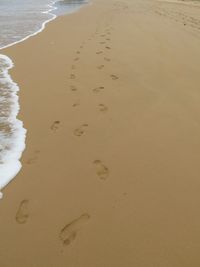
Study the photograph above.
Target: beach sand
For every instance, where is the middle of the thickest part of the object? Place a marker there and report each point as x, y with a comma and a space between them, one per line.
111, 172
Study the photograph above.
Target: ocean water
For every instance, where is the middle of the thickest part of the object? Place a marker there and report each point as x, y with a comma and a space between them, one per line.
19, 20
68, 6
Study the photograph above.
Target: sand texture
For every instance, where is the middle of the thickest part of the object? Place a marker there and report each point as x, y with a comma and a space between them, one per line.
110, 96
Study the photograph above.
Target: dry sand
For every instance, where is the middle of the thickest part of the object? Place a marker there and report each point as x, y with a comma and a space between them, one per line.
111, 172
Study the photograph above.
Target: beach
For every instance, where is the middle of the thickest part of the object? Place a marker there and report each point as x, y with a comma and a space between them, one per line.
109, 96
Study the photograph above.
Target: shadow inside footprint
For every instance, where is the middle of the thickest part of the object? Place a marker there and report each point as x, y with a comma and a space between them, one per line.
69, 232
107, 59
98, 89
73, 88
76, 105
114, 77
81, 130
55, 126
22, 213
72, 76
100, 67
34, 158
103, 108
101, 170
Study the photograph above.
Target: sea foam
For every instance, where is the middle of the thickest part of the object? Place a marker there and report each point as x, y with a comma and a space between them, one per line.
12, 133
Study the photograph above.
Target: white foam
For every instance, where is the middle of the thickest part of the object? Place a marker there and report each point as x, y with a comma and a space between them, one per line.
12, 143
10, 163
51, 8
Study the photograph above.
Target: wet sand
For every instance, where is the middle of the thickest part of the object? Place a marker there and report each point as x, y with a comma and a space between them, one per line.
111, 175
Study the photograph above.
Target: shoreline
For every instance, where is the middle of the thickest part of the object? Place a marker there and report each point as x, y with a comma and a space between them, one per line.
110, 172
40, 30
14, 163
16, 138
12, 160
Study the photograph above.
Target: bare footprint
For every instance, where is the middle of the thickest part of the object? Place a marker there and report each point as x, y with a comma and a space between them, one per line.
76, 105
69, 232
103, 108
98, 89
107, 59
99, 52
76, 58
73, 88
22, 213
55, 126
100, 67
33, 158
81, 130
108, 47
101, 170
114, 77
72, 76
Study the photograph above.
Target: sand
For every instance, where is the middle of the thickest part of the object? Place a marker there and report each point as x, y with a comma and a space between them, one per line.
110, 98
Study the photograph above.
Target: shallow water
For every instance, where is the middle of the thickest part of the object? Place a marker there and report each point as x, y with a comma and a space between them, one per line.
68, 6
19, 19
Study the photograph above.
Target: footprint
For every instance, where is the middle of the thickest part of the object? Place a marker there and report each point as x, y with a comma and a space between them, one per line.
103, 35
108, 47
103, 108
107, 59
78, 52
72, 76
73, 67
73, 88
107, 39
34, 158
76, 58
75, 104
99, 52
55, 126
81, 130
98, 89
100, 67
69, 232
114, 77
102, 42
22, 213
101, 170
